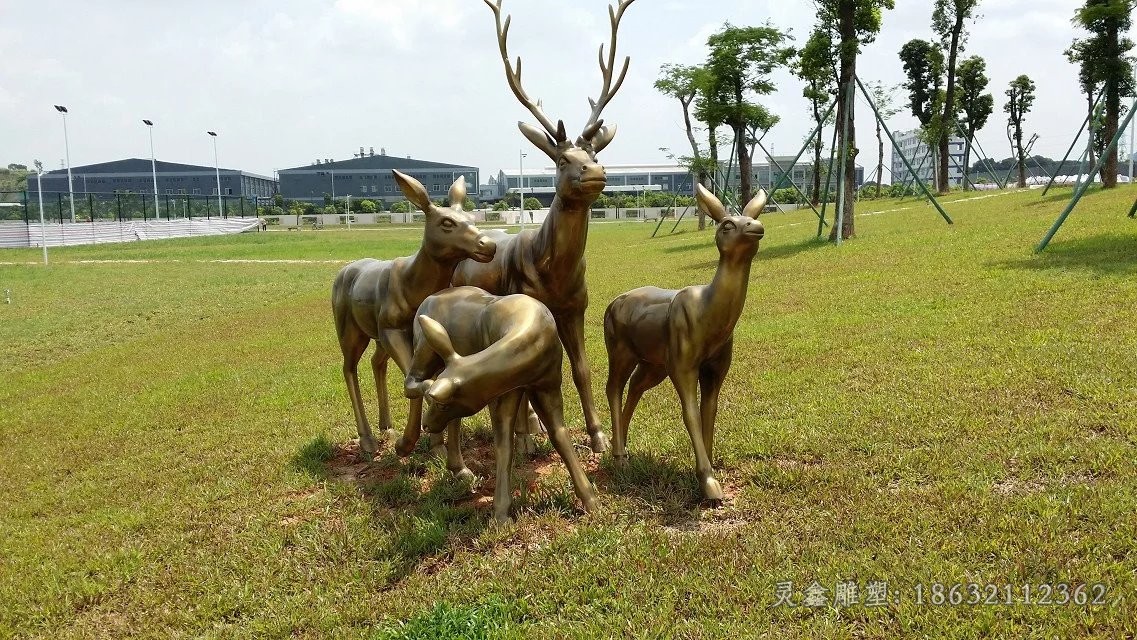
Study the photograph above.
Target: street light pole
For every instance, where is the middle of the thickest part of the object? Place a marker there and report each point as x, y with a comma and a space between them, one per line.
67, 150
42, 224
521, 188
1132, 152
217, 171
153, 165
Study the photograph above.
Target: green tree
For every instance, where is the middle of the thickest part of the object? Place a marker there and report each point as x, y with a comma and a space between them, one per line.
402, 206
815, 67
468, 204
500, 205
948, 18
884, 97
740, 63
368, 206
976, 105
1104, 63
924, 67
533, 203
854, 23
1020, 97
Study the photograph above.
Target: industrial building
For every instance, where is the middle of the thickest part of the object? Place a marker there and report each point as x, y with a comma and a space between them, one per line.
368, 175
923, 160
136, 176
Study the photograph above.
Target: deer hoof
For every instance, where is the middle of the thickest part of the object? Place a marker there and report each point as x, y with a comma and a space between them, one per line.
403, 448
389, 435
712, 492
591, 502
367, 448
599, 442
438, 451
502, 516
620, 460
464, 475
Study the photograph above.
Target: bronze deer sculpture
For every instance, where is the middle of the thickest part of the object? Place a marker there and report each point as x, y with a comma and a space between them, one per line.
548, 264
474, 349
687, 335
376, 299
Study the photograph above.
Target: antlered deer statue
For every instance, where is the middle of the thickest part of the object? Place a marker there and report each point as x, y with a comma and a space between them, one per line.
473, 349
376, 299
548, 264
687, 335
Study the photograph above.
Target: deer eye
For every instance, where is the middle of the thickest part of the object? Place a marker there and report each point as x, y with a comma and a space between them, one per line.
448, 224
727, 226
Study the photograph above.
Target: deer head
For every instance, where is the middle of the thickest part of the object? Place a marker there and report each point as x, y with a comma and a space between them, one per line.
450, 233
579, 175
454, 391
736, 236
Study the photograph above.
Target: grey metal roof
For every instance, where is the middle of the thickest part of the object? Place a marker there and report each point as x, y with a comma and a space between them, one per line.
380, 162
136, 165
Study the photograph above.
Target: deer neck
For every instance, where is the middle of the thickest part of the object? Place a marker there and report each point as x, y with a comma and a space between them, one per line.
726, 295
504, 364
427, 275
559, 244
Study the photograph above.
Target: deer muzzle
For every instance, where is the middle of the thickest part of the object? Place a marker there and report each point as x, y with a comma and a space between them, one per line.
485, 249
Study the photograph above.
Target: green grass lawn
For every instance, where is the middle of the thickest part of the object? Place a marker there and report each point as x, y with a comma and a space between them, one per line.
923, 404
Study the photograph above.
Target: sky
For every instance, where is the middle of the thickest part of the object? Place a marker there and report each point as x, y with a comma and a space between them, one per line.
284, 82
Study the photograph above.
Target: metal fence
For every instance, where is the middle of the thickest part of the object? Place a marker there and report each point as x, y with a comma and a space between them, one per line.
92, 207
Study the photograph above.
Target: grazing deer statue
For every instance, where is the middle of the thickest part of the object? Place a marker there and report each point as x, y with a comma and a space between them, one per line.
376, 299
474, 349
687, 335
548, 264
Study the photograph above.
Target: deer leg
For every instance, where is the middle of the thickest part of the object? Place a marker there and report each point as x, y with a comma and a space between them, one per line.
503, 413
550, 409
711, 377
621, 364
454, 461
525, 426
644, 377
379, 369
570, 327
686, 381
353, 343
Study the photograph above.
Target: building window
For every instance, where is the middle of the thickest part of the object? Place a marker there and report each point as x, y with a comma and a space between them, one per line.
181, 191
197, 192
435, 187
169, 191
387, 189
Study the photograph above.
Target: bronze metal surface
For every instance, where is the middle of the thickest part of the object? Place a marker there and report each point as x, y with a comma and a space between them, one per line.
548, 264
376, 299
685, 335
472, 350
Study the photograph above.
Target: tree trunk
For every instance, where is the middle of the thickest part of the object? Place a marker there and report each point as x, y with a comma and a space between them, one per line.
967, 157
949, 104
743, 166
818, 145
846, 28
700, 172
879, 158
1019, 153
1112, 110
713, 151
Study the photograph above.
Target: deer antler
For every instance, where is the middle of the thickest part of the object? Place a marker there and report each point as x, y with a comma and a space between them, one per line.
514, 75
606, 68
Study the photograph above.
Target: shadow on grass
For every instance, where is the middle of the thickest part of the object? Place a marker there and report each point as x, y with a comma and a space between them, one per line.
1106, 254
704, 243
658, 482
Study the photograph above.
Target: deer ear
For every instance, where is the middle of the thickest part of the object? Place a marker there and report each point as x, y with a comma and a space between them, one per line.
540, 139
437, 338
756, 205
709, 203
441, 391
458, 192
413, 190
603, 137
416, 388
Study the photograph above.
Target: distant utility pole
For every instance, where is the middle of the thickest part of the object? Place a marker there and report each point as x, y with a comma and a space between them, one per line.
42, 224
521, 188
153, 167
67, 150
217, 171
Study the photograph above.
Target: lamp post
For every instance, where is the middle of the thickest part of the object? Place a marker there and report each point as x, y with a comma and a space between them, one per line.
217, 170
67, 150
153, 165
42, 224
521, 188
1132, 129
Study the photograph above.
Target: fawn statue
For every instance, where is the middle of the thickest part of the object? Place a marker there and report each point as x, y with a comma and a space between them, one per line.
473, 349
376, 299
686, 335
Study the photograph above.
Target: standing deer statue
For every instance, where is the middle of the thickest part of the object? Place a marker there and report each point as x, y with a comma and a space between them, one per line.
473, 349
687, 335
548, 264
376, 299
